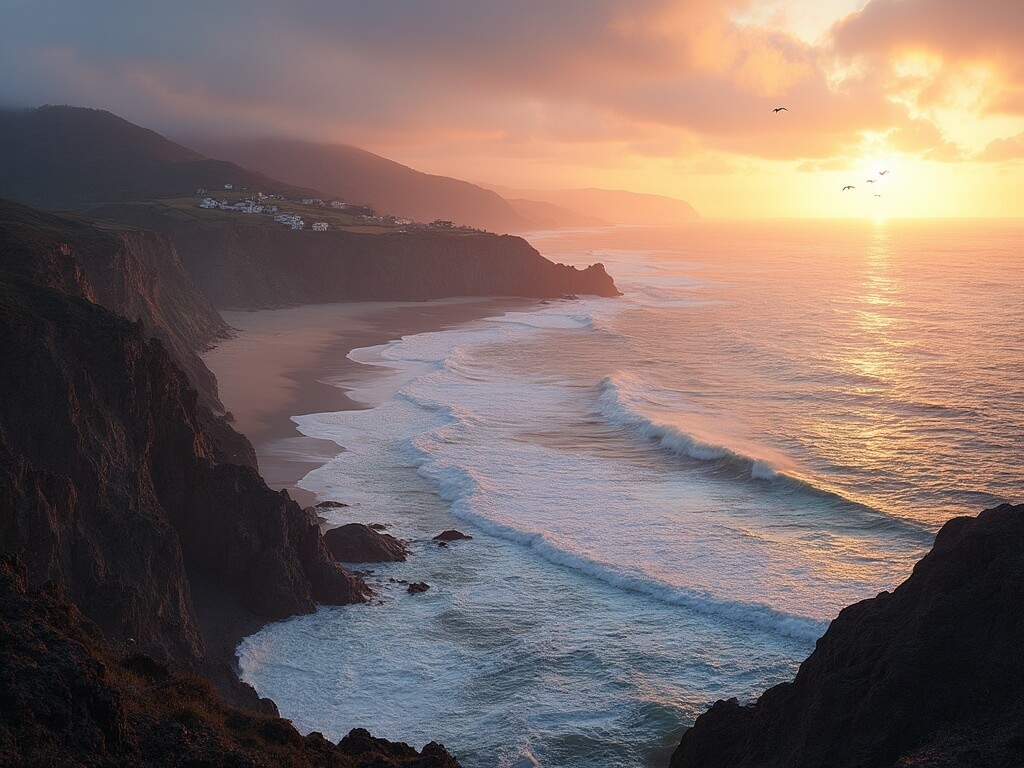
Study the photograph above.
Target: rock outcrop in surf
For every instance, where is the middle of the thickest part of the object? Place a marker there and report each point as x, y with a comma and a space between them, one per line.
929, 675
357, 543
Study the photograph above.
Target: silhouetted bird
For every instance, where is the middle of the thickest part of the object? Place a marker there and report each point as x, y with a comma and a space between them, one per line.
848, 186
877, 195
871, 181
780, 109
882, 173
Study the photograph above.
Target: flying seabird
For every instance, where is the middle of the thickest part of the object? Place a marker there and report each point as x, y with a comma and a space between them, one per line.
780, 109
848, 186
871, 181
882, 173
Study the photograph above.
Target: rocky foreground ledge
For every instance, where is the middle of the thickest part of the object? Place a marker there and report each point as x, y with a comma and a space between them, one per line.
68, 697
929, 675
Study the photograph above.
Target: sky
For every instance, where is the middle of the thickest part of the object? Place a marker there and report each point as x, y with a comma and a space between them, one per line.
671, 97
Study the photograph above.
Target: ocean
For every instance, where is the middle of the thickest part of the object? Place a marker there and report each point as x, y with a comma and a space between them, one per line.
670, 493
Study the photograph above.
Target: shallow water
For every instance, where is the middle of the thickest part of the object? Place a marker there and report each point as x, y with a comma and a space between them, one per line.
670, 493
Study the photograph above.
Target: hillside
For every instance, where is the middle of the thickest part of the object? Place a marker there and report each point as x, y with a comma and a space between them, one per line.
615, 206
357, 176
70, 157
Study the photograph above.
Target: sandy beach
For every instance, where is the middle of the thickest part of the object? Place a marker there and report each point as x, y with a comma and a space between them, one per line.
277, 363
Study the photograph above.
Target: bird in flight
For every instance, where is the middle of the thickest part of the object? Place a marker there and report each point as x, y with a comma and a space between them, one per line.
877, 195
882, 173
848, 186
780, 109
871, 181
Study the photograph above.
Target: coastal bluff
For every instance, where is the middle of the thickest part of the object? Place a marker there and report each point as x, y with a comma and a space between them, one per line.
135, 274
244, 266
112, 488
929, 675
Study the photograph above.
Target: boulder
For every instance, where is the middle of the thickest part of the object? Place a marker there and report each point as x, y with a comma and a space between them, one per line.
358, 543
452, 535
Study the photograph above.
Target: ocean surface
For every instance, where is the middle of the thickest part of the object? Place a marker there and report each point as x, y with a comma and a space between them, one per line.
670, 493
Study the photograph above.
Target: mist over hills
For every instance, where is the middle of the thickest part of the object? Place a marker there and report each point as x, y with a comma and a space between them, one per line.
62, 157
361, 177
616, 206
72, 158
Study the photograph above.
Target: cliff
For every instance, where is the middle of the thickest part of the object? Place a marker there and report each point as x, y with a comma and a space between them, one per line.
112, 488
930, 675
138, 275
68, 697
247, 266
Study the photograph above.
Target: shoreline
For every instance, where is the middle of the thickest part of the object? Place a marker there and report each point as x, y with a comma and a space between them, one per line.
276, 364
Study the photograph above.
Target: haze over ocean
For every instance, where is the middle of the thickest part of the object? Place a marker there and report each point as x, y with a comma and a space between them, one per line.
671, 493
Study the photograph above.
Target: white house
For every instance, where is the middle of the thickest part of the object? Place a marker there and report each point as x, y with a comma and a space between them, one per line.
208, 202
298, 224
319, 226
229, 186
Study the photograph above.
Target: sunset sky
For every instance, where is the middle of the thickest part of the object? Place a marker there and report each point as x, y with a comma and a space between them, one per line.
666, 96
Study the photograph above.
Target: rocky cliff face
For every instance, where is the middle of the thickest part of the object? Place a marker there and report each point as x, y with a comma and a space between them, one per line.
112, 487
242, 270
68, 697
138, 275
247, 266
930, 675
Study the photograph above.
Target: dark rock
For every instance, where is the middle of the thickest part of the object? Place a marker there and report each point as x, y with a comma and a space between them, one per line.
331, 504
443, 544
418, 586
357, 543
929, 675
378, 526
149, 668
371, 751
452, 535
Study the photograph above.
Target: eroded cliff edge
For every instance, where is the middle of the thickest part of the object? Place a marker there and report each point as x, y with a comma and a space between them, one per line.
135, 274
112, 488
929, 675
247, 265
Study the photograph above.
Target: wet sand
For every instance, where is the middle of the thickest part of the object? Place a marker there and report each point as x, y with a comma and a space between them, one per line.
277, 364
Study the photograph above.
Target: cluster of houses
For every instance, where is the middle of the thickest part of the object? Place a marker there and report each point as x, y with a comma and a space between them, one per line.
243, 206
263, 204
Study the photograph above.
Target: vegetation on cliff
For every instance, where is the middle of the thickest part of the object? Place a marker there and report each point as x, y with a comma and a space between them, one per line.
70, 697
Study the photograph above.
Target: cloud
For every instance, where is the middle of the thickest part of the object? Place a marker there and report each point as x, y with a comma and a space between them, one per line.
942, 52
534, 79
1002, 150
